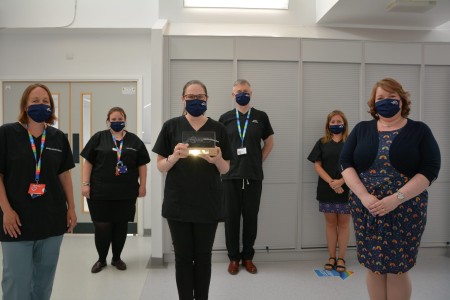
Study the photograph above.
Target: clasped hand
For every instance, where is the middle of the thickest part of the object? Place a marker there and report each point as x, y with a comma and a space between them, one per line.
380, 207
336, 185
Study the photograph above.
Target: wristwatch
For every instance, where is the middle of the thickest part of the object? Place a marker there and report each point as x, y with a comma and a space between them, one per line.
400, 196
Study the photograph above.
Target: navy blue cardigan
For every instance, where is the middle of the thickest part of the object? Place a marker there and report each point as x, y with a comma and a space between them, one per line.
413, 151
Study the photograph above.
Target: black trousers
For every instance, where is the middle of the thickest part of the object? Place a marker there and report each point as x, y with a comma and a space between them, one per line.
193, 244
242, 197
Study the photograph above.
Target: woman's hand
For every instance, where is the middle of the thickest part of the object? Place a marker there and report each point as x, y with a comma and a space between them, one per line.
223, 166
384, 206
338, 190
71, 219
142, 190
368, 200
212, 159
11, 223
180, 151
335, 183
86, 191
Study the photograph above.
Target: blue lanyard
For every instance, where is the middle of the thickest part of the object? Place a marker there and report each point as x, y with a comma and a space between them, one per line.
242, 133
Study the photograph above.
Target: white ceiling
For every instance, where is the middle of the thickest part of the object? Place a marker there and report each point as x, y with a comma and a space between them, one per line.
373, 14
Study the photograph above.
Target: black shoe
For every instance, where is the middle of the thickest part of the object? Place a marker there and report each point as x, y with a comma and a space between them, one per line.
119, 264
98, 266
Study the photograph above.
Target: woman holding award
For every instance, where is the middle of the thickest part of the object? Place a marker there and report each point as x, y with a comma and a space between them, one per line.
114, 175
193, 203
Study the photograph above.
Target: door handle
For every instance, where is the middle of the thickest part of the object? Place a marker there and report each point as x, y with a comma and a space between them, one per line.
76, 147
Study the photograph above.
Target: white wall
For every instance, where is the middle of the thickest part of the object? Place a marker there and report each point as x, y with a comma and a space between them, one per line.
96, 54
78, 13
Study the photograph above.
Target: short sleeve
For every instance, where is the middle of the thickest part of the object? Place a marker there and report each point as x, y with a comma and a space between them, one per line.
88, 151
268, 130
316, 152
3, 142
143, 156
162, 144
225, 146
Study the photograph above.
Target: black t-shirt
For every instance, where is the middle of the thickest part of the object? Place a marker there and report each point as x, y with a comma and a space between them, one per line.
247, 166
193, 188
101, 152
46, 215
328, 154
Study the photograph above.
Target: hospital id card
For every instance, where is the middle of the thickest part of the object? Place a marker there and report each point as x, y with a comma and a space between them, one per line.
242, 151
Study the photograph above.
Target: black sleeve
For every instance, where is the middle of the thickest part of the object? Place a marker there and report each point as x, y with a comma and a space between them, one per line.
143, 156
88, 151
225, 146
162, 144
67, 162
268, 130
3, 142
346, 157
430, 155
316, 152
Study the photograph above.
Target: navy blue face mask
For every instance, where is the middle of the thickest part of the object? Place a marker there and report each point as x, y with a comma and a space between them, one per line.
336, 129
243, 99
39, 112
387, 107
117, 126
195, 107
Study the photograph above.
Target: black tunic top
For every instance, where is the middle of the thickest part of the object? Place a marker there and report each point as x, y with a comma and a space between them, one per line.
101, 152
247, 166
328, 154
46, 215
193, 188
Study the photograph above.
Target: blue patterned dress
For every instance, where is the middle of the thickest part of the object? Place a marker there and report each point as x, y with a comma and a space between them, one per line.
388, 244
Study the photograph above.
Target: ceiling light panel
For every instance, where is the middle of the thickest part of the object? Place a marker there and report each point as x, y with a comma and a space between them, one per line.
264, 4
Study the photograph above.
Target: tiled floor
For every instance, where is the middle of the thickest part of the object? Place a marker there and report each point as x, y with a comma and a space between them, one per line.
275, 280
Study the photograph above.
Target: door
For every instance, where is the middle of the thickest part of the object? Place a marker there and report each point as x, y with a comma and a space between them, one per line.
81, 108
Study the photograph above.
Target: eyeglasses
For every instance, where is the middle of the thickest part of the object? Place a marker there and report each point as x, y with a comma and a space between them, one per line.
195, 97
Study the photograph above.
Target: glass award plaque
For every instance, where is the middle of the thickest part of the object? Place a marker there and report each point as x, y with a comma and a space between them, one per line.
200, 142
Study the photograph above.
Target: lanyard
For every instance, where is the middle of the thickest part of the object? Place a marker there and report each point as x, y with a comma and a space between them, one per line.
242, 133
119, 150
33, 148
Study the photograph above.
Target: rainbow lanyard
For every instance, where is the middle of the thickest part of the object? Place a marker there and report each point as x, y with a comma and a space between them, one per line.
33, 148
242, 133
119, 150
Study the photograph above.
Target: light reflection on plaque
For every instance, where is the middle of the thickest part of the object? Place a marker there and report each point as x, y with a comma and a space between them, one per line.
200, 142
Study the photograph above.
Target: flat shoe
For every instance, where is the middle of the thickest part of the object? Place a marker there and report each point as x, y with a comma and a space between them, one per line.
98, 266
119, 264
233, 267
249, 266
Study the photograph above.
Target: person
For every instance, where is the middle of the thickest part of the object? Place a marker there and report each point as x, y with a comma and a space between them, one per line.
388, 163
114, 175
332, 192
193, 202
246, 128
36, 196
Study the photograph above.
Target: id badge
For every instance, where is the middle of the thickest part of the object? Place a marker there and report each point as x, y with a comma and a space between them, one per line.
121, 168
36, 190
242, 151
